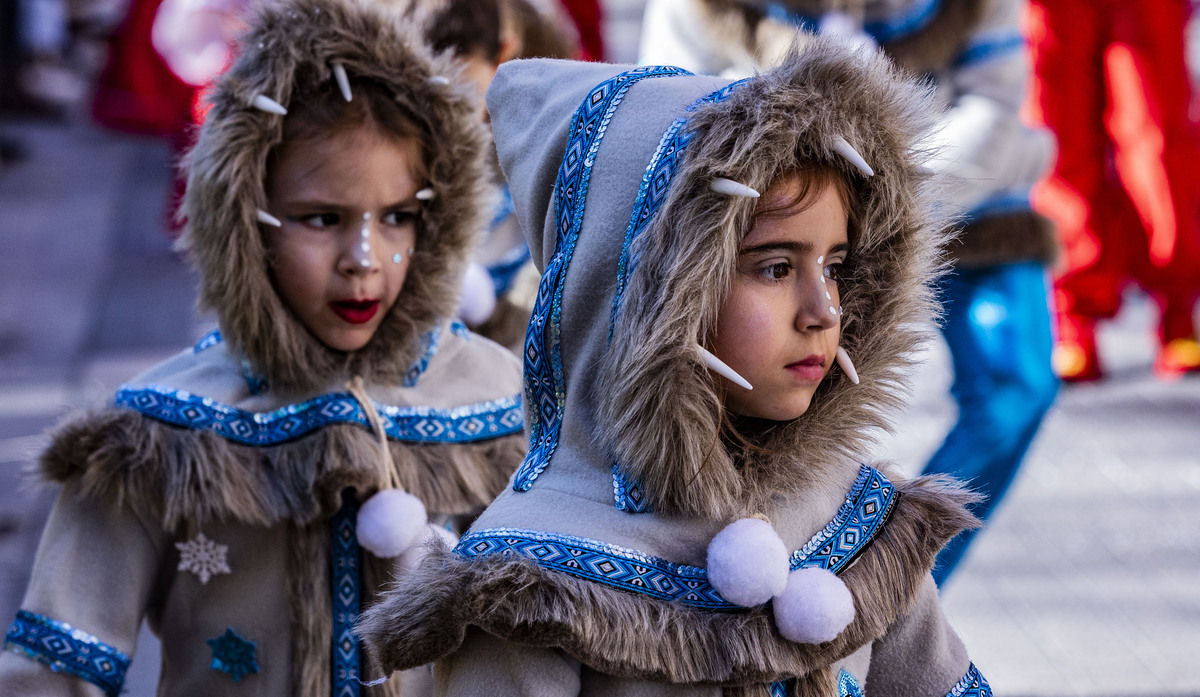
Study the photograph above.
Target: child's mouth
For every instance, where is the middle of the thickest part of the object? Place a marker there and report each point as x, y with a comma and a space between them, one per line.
355, 311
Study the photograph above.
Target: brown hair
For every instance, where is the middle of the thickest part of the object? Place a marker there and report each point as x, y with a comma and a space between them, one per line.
480, 26
814, 177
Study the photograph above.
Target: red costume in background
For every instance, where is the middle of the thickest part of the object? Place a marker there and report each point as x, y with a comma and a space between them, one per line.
1111, 82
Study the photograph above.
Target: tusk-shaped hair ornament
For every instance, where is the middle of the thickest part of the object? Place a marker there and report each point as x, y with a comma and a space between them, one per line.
843, 148
718, 366
265, 103
265, 217
729, 187
343, 80
439, 80
426, 194
843, 359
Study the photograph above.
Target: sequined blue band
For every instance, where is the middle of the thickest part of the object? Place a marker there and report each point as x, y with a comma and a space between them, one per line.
856, 523
867, 506
346, 559
465, 424
545, 388
973, 684
847, 686
66, 649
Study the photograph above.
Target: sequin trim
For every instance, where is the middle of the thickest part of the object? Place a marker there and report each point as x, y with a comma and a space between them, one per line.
429, 347
867, 506
208, 341
545, 389
656, 182
347, 594
848, 686
973, 684
65, 649
628, 497
465, 424
848, 534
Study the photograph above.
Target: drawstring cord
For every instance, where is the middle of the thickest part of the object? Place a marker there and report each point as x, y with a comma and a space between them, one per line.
388, 478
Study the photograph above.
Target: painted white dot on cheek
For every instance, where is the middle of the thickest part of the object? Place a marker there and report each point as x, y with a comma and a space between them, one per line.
365, 232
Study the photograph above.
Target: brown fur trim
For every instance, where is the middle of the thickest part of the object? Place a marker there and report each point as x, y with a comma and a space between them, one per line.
289, 49
425, 616
761, 131
1006, 238
184, 475
310, 605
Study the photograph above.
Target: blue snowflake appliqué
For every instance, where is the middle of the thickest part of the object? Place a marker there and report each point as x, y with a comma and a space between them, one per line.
234, 655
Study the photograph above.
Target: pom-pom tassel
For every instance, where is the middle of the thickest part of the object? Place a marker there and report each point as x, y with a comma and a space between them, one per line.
815, 606
747, 562
391, 522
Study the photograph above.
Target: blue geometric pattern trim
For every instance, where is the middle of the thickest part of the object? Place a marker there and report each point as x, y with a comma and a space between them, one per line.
990, 48
347, 595
896, 26
65, 649
656, 182
1010, 201
544, 385
465, 424
234, 655
593, 560
207, 341
848, 686
457, 328
628, 497
856, 523
867, 506
973, 684
781, 688
429, 347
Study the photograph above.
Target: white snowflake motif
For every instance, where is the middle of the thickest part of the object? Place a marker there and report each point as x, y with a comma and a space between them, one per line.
203, 557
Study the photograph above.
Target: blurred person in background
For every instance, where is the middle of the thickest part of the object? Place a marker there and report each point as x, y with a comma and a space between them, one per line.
1111, 81
997, 318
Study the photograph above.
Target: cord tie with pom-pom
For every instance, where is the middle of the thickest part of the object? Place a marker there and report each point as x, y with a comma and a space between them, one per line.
392, 521
748, 564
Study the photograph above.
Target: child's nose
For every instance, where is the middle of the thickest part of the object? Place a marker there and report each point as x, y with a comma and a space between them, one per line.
818, 304
362, 256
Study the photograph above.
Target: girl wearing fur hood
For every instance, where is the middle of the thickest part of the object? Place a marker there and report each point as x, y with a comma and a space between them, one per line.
693, 517
331, 202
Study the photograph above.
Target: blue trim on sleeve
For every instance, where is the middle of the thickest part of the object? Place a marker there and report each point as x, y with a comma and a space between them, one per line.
1010, 201
973, 684
65, 649
916, 17
990, 48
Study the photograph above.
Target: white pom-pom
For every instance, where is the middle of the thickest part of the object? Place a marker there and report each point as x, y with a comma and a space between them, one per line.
478, 299
747, 562
390, 522
814, 608
434, 535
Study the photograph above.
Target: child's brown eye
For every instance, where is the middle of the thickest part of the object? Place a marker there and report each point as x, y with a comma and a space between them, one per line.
833, 272
777, 271
321, 220
398, 218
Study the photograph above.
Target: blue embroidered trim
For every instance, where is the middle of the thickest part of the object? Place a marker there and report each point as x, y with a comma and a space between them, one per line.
506, 269
847, 685
593, 560
628, 497
913, 19
781, 688
346, 560
973, 684
465, 424
429, 347
457, 328
208, 341
656, 182
234, 655
544, 385
868, 505
65, 649
990, 48
1010, 201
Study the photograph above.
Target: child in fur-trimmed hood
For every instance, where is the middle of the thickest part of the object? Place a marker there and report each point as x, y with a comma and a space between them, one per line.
332, 199
693, 517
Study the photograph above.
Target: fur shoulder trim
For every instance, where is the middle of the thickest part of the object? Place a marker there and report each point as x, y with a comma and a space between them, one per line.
185, 475
425, 617
942, 39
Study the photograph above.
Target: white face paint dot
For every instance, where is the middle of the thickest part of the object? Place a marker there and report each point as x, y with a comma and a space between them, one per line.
397, 258
820, 260
832, 310
828, 296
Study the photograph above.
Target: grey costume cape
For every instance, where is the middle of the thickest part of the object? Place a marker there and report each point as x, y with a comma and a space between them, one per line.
211, 498
585, 577
974, 50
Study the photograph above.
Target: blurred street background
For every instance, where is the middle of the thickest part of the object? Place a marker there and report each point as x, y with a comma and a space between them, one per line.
1086, 582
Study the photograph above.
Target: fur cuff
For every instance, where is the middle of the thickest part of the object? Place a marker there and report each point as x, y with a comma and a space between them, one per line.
1005, 239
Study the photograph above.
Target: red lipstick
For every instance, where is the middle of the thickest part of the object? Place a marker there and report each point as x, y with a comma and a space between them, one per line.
355, 311
811, 369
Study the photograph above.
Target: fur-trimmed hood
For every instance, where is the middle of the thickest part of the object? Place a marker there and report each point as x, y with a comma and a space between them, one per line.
288, 53
627, 479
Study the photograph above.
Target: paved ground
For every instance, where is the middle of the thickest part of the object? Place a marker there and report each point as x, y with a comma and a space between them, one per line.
1087, 582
